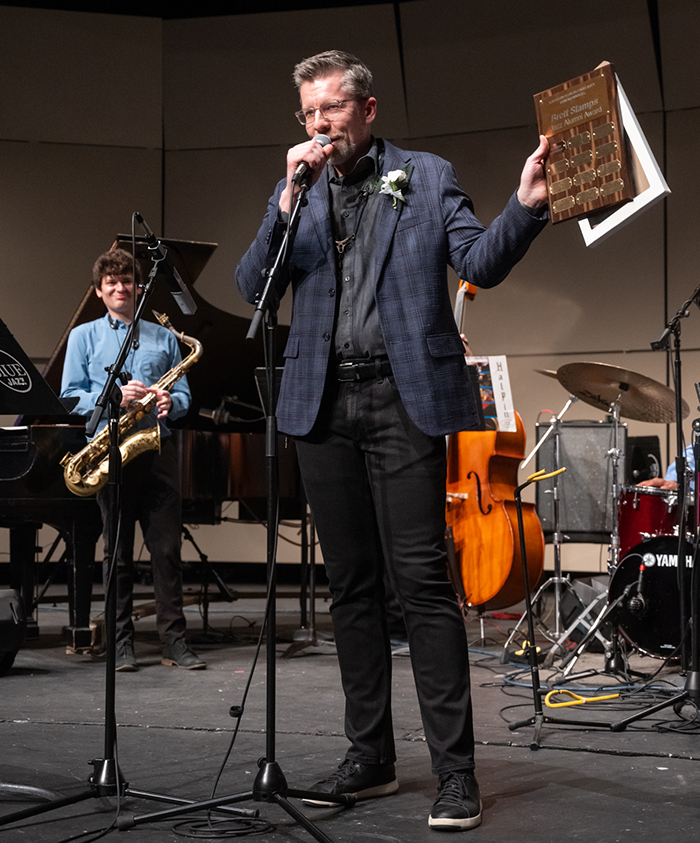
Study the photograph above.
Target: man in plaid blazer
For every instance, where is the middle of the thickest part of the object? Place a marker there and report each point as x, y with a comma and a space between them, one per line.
374, 378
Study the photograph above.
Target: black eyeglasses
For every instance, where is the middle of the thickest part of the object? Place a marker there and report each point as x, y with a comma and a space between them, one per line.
329, 110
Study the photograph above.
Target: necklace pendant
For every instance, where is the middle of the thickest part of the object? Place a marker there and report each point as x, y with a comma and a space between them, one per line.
341, 245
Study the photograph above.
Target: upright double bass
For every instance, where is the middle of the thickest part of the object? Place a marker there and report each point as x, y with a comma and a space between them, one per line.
482, 475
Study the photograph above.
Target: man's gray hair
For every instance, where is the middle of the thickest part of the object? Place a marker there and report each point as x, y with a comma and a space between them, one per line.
357, 78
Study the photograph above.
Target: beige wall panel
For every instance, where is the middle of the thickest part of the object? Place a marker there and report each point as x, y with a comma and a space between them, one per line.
562, 296
477, 65
228, 79
679, 24
80, 78
684, 217
61, 207
221, 196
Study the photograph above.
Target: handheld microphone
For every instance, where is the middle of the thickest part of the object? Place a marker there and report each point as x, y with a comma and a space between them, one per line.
637, 605
304, 171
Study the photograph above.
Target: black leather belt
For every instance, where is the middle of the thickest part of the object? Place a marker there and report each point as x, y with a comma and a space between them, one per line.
363, 370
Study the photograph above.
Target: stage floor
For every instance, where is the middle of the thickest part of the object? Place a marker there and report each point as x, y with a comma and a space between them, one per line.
174, 731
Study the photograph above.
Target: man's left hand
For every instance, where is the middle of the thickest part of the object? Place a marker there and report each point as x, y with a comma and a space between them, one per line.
532, 191
164, 402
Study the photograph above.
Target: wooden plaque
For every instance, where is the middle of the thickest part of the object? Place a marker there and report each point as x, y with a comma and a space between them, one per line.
588, 165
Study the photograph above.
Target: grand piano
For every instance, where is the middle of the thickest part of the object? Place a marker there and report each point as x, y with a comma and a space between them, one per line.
220, 441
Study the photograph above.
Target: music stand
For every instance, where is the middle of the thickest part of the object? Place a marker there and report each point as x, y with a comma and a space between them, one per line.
23, 391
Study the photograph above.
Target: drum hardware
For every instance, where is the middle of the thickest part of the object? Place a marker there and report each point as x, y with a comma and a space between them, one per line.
557, 581
615, 660
613, 557
620, 392
538, 718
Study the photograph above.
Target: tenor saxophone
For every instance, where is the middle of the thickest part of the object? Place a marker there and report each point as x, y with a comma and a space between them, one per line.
86, 472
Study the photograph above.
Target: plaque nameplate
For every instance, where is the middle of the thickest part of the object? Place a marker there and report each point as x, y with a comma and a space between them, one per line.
587, 152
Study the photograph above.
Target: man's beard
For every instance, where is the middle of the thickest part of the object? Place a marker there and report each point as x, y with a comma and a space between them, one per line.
343, 150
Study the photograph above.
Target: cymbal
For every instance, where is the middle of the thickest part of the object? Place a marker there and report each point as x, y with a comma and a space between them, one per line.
599, 385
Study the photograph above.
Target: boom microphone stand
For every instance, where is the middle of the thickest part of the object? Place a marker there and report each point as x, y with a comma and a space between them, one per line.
106, 778
270, 783
691, 690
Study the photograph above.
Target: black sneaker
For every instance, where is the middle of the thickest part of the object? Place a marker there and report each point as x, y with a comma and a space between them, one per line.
458, 806
363, 781
125, 659
180, 655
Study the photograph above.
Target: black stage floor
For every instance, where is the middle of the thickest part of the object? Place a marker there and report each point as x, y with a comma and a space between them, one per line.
174, 730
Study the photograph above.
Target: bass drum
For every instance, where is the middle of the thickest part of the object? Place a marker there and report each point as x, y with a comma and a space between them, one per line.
655, 628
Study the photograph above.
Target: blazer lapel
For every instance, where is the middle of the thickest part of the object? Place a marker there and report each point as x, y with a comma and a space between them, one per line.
387, 216
320, 212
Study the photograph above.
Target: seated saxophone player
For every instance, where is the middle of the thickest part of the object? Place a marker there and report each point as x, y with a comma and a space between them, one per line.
150, 483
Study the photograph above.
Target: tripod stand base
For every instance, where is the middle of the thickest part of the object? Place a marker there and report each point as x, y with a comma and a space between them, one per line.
270, 786
538, 720
691, 692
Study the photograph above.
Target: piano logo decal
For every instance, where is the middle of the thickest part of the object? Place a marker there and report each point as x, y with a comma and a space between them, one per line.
13, 375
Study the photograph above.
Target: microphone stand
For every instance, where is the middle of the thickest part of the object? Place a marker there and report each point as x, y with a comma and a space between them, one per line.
270, 784
106, 778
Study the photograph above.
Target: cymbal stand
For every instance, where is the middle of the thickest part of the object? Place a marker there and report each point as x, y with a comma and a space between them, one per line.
557, 581
615, 454
615, 663
207, 573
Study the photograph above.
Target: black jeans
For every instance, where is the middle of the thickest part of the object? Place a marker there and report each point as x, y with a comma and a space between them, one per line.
376, 486
150, 495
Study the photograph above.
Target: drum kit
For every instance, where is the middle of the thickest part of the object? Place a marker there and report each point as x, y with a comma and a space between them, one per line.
644, 596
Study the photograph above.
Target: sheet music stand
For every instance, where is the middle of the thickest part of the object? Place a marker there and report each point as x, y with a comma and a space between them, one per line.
22, 388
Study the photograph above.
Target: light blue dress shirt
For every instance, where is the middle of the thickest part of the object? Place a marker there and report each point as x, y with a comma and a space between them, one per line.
94, 345
689, 461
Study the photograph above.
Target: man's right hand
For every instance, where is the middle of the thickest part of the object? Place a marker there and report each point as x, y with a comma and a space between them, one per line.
660, 483
312, 153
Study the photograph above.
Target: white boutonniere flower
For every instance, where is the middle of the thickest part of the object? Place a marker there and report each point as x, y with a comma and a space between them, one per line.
395, 184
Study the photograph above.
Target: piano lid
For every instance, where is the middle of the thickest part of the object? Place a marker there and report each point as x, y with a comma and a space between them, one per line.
226, 368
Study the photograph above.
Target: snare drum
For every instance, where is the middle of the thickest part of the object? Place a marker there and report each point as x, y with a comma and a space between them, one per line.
644, 513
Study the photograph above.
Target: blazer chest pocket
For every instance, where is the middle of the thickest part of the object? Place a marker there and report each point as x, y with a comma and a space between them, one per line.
444, 345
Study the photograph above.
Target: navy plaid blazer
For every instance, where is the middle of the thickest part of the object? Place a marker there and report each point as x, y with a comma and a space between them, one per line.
415, 242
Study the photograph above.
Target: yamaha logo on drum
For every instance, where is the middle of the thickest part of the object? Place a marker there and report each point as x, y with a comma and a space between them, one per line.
13, 375
665, 560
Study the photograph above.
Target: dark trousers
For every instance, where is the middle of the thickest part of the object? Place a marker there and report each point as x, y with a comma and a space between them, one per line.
376, 486
150, 495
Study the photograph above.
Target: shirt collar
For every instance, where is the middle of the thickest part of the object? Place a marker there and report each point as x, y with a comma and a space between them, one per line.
366, 165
